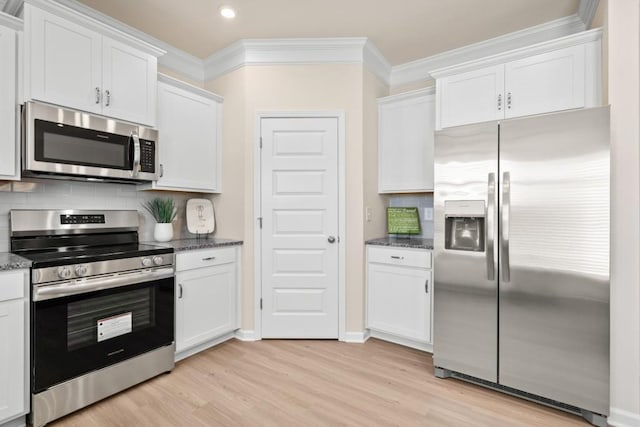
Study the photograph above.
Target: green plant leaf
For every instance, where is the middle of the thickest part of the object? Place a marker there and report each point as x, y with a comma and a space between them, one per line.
162, 210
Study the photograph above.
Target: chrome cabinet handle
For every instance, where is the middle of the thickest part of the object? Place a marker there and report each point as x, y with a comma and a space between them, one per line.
180, 290
426, 286
161, 170
509, 98
489, 229
209, 258
108, 94
97, 95
397, 257
504, 235
500, 102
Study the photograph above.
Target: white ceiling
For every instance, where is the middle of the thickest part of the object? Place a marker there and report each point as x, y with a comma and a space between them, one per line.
403, 30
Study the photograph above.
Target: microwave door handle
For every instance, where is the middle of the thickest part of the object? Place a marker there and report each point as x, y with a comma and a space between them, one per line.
136, 155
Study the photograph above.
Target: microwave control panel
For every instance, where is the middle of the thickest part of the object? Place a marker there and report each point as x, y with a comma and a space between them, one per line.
147, 156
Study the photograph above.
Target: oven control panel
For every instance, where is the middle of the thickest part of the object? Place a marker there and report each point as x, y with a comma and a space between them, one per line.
67, 219
101, 268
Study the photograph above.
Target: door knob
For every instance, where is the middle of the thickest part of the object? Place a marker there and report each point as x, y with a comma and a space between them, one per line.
331, 239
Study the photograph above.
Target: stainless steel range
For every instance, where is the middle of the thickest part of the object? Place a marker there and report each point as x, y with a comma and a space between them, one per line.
102, 306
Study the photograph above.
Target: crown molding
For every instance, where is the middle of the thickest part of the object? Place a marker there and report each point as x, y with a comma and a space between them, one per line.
338, 50
587, 11
420, 70
405, 96
189, 88
173, 58
11, 22
515, 54
13, 7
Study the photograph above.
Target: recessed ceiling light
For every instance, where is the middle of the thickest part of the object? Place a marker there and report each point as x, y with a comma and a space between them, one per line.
227, 12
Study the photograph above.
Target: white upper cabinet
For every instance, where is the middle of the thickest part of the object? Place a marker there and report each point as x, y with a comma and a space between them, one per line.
551, 76
405, 142
189, 126
76, 66
552, 81
471, 97
9, 160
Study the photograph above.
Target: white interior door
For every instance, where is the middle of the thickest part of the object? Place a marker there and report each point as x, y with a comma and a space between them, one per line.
299, 207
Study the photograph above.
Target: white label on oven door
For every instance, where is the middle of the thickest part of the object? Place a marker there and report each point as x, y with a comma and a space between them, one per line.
114, 326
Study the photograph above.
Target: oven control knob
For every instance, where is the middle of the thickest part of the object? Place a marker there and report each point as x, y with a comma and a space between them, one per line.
81, 270
64, 272
157, 260
146, 262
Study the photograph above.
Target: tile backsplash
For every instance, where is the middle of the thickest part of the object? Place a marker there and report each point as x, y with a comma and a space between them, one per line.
58, 194
420, 201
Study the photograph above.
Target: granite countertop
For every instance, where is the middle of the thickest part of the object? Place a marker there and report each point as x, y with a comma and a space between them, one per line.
180, 245
9, 261
402, 242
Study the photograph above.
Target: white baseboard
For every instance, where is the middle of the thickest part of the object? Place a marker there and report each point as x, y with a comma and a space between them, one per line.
402, 341
198, 348
18, 422
247, 335
356, 337
622, 418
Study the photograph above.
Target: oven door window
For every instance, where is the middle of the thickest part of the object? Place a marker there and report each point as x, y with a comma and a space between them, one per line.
82, 333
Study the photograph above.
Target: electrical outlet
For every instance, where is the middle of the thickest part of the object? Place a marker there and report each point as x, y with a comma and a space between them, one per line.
367, 213
428, 214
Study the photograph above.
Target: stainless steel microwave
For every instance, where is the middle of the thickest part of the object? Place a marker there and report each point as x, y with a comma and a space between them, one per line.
59, 143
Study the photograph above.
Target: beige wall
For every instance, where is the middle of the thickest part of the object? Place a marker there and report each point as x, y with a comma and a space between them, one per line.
287, 88
373, 89
624, 96
600, 21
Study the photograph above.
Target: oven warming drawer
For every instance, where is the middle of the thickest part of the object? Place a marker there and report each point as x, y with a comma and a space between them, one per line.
77, 393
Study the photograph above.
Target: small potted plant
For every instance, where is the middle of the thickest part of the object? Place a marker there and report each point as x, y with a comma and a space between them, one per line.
164, 212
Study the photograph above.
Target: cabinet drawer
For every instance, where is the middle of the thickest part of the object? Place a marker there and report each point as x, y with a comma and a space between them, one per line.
11, 286
400, 256
204, 258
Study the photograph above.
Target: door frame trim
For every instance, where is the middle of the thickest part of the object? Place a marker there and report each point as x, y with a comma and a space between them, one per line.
257, 207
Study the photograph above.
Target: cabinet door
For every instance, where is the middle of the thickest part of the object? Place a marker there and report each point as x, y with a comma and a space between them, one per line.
548, 82
405, 148
12, 359
188, 127
471, 97
65, 61
206, 304
399, 301
8, 82
128, 83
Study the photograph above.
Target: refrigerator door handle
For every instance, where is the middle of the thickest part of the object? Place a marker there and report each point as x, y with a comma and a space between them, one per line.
505, 215
489, 229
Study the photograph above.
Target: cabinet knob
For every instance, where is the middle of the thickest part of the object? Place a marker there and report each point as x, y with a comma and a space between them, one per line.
331, 239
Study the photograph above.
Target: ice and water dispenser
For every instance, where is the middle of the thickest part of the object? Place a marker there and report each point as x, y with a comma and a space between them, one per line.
464, 222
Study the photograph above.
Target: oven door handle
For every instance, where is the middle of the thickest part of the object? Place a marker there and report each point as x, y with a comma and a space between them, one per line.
75, 287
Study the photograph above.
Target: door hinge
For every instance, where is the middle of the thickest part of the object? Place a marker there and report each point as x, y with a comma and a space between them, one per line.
260, 142
260, 303
260, 221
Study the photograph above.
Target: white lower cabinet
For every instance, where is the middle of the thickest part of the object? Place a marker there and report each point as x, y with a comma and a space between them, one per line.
14, 345
206, 298
399, 295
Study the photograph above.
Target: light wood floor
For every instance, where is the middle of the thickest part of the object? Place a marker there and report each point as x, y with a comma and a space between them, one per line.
311, 383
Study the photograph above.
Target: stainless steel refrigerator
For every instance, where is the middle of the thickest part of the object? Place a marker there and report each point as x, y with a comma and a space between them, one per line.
522, 257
